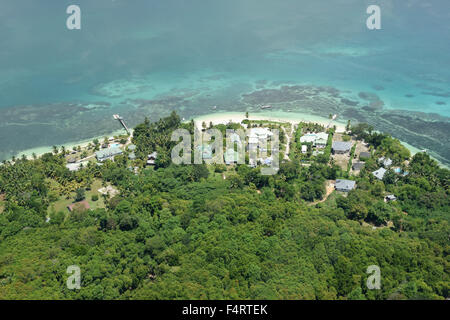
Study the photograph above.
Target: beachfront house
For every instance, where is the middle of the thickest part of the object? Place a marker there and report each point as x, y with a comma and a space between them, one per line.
231, 156
322, 140
341, 147
345, 185
108, 154
206, 151
235, 139
132, 147
379, 174
308, 138
258, 134
252, 143
132, 156
318, 140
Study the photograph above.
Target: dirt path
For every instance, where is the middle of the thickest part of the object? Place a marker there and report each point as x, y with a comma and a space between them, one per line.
288, 144
329, 188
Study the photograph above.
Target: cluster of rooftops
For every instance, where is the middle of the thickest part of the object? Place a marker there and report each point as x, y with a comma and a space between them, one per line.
255, 137
348, 185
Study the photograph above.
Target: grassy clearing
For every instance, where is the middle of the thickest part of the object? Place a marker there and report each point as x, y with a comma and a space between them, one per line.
62, 203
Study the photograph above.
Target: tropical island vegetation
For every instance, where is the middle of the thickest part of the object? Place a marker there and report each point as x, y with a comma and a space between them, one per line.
150, 229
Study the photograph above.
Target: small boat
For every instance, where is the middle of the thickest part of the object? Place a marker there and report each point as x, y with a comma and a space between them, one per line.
268, 106
214, 108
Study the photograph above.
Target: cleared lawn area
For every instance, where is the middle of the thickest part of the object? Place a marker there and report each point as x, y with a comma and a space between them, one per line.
62, 203
97, 184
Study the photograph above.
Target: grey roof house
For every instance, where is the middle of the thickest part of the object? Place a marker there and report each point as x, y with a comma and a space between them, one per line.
341, 146
109, 153
365, 154
345, 185
379, 174
358, 165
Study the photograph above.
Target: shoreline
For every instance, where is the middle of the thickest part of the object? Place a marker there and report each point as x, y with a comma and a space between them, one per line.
277, 116
40, 151
291, 117
224, 118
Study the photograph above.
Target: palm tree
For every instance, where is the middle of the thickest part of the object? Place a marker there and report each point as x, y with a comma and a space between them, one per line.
55, 149
34, 156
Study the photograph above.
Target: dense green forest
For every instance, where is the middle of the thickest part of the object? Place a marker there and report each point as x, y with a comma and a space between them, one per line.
217, 232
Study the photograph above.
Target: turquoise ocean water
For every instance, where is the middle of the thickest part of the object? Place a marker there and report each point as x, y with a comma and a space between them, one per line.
145, 49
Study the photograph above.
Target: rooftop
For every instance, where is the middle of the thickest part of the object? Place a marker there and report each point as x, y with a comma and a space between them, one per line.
387, 162
153, 155
379, 174
365, 154
341, 145
108, 153
320, 138
260, 132
347, 185
358, 165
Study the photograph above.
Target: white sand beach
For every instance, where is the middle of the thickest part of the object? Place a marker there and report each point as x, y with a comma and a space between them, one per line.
277, 116
39, 151
280, 116
224, 118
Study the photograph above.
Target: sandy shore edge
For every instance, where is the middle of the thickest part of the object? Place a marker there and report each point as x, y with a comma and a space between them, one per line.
223, 118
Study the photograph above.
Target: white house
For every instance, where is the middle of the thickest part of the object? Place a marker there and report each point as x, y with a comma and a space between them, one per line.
318, 140
379, 174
